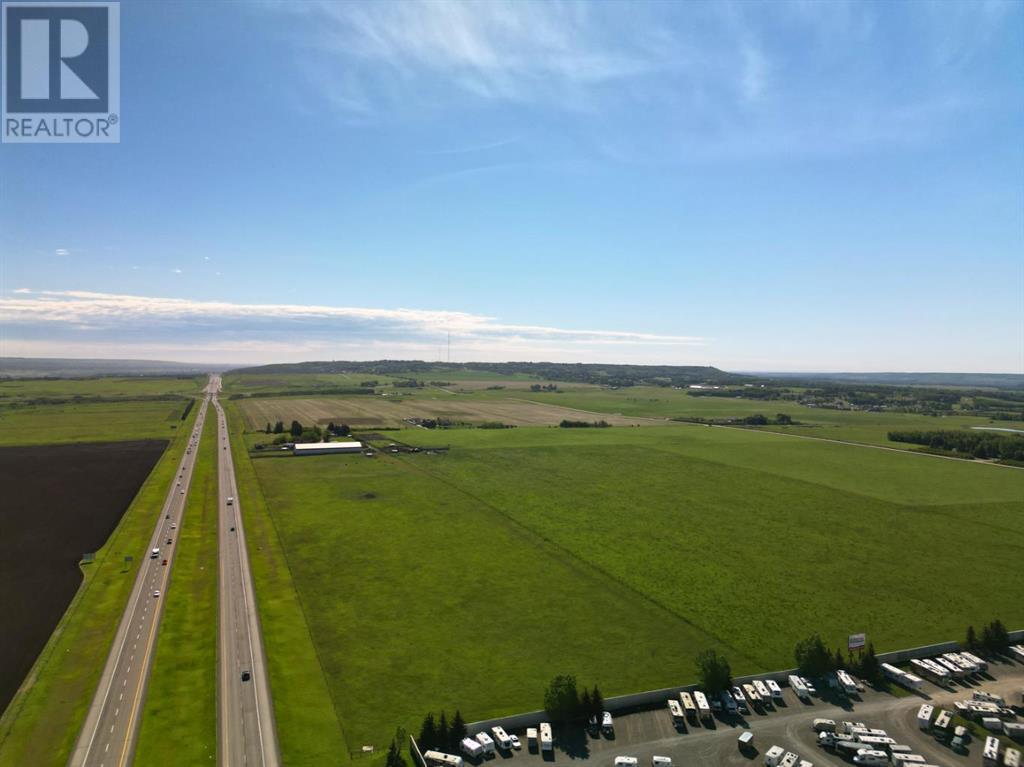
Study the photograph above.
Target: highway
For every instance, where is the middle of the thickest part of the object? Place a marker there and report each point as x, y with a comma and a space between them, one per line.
111, 726
246, 731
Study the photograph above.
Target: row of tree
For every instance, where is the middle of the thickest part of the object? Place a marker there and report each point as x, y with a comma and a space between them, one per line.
976, 444
567, 424
564, 703
814, 659
440, 734
994, 638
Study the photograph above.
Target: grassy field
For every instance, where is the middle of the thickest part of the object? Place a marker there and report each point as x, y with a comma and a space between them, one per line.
438, 581
308, 729
40, 725
125, 388
181, 697
91, 422
366, 411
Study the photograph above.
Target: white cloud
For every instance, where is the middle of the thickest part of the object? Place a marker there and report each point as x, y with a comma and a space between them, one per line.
22, 290
62, 252
176, 271
155, 326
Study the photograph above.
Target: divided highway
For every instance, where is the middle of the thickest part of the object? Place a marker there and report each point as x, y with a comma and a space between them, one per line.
111, 726
246, 731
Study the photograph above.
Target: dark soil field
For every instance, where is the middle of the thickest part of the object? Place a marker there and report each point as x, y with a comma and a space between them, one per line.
58, 502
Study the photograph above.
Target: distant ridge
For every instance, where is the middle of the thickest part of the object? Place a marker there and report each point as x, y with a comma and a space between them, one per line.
583, 372
971, 380
58, 367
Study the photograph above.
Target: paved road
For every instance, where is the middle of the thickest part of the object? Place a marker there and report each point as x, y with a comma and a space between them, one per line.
246, 731
112, 724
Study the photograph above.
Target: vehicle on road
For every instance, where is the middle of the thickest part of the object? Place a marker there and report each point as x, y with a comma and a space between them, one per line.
246, 676
165, 563
154, 553
156, 592
231, 500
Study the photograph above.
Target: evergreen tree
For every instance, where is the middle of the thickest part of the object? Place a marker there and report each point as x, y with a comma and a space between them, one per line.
586, 705
972, 639
812, 657
267, 430
869, 668
561, 700
596, 702
279, 427
296, 429
458, 730
837, 663
714, 672
428, 733
443, 733
395, 758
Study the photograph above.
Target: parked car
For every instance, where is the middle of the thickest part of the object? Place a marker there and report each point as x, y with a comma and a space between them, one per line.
516, 744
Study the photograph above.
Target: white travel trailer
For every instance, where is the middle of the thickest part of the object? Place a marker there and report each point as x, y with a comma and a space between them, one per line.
773, 756
501, 738
531, 738
762, 690
689, 707
676, 710
752, 696
486, 743
441, 759
798, 686
924, 716
846, 682
702, 704
990, 754
471, 748
774, 689
607, 723
546, 742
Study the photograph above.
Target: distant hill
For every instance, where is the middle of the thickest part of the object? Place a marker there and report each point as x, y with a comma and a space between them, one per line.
969, 380
56, 367
595, 373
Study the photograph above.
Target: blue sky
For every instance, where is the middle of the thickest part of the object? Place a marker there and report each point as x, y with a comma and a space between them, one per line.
757, 186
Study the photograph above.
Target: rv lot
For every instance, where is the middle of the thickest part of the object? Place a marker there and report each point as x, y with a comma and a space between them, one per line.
648, 733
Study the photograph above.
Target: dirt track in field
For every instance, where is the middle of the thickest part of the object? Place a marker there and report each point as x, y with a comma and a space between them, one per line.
366, 411
59, 502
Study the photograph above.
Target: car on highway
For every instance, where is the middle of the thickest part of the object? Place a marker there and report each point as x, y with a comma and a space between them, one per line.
246, 676
174, 525
168, 541
165, 563
156, 592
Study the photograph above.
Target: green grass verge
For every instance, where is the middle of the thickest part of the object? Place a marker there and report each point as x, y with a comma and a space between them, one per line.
181, 697
308, 729
41, 723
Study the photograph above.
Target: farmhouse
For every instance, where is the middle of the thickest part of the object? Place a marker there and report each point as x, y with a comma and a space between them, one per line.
323, 448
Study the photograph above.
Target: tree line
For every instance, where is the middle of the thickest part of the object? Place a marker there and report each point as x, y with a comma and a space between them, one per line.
567, 424
440, 734
564, 703
994, 638
977, 444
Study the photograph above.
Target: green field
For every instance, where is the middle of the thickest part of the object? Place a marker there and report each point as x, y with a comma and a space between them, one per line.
107, 387
443, 581
93, 409
41, 724
181, 696
659, 402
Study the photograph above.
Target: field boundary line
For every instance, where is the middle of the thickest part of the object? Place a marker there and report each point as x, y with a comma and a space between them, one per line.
585, 564
294, 588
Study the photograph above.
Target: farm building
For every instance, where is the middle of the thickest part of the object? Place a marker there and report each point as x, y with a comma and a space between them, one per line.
324, 448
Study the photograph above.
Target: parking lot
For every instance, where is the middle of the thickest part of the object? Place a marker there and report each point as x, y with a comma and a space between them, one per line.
646, 733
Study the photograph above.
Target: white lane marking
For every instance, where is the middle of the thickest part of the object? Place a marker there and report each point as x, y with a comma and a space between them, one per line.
106, 749
121, 696
117, 711
111, 728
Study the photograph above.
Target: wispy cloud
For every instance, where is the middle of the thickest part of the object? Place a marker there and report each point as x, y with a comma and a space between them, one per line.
510, 51
102, 318
62, 252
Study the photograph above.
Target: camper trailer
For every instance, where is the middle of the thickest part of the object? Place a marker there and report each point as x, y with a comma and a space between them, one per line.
441, 759
544, 731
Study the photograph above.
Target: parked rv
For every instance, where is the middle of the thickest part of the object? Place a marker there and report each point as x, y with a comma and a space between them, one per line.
486, 743
689, 707
471, 748
607, 725
544, 731
501, 738
441, 759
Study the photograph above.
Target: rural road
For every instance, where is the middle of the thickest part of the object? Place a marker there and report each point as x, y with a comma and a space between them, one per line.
112, 724
246, 731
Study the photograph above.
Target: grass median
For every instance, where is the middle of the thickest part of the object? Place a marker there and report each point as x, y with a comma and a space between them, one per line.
181, 698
